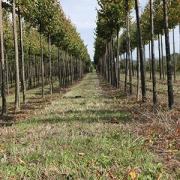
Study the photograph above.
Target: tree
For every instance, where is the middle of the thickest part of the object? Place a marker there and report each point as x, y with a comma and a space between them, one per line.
23, 82
152, 54
168, 58
17, 90
3, 85
143, 83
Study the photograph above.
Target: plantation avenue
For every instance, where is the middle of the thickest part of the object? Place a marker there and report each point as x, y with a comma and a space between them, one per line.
67, 116
82, 134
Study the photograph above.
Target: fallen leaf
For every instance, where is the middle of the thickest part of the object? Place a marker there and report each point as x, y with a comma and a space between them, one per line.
3, 148
21, 161
81, 154
159, 176
108, 174
133, 175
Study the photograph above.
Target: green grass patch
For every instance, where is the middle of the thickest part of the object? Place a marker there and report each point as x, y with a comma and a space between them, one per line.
74, 138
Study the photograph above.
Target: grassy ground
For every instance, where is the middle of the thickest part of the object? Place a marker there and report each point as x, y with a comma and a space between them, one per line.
83, 134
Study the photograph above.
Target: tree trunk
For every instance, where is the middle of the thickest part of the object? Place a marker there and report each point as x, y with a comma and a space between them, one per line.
23, 83
143, 83
117, 60
59, 67
174, 57
160, 63
7, 73
3, 76
168, 58
17, 89
50, 65
42, 64
162, 55
30, 71
152, 52
138, 75
128, 45
150, 59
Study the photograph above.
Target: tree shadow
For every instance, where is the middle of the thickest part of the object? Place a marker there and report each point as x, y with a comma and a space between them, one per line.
87, 116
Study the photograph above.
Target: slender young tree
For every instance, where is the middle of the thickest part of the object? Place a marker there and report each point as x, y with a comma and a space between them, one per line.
152, 54
174, 56
17, 89
128, 46
23, 82
143, 81
3, 77
168, 58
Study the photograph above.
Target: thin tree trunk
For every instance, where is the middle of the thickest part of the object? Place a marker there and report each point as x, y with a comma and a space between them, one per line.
117, 60
3, 76
138, 75
59, 67
143, 83
42, 64
168, 58
17, 89
30, 70
132, 64
128, 45
174, 57
7, 73
23, 83
160, 63
162, 55
50, 65
126, 74
152, 52
150, 59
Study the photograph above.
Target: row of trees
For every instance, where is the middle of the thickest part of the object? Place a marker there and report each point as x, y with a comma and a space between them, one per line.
38, 44
157, 19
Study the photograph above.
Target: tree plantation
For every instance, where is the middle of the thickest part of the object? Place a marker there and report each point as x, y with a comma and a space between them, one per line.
113, 52
65, 117
39, 45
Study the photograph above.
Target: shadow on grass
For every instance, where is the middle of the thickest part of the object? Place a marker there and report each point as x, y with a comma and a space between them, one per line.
6, 121
88, 116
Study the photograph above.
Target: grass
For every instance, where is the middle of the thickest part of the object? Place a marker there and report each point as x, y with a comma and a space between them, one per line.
76, 137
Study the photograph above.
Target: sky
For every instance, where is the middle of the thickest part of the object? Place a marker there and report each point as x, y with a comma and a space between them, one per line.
83, 15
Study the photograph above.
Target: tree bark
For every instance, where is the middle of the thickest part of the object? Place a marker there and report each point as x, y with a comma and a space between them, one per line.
143, 83
128, 46
138, 75
42, 63
160, 63
3, 76
17, 89
162, 54
7, 73
50, 64
59, 67
174, 57
23, 82
117, 61
168, 58
152, 52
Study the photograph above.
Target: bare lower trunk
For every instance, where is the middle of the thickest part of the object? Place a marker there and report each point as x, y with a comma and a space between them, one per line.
152, 52
50, 64
23, 83
168, 58
3, 76
17, 89
143, 83
42, 64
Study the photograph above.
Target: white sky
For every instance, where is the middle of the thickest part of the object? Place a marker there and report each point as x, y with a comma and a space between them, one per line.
83, 15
